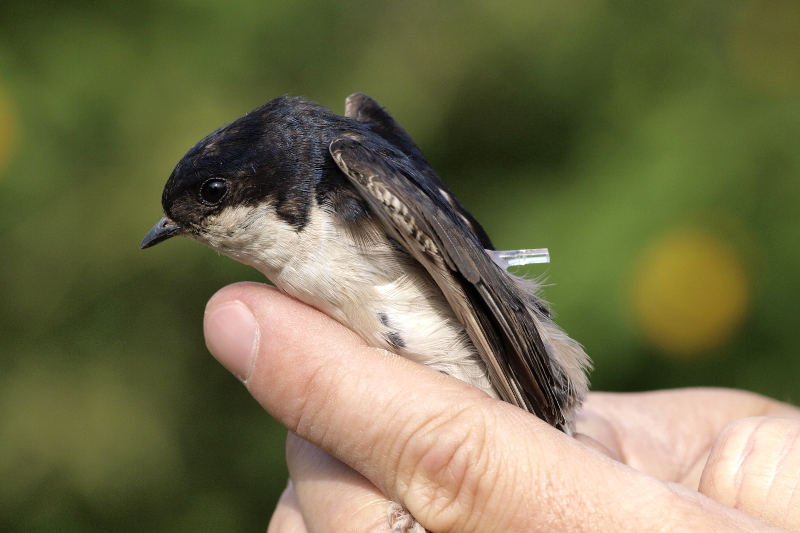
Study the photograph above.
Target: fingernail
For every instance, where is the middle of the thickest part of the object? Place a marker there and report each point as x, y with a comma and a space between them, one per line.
231, 336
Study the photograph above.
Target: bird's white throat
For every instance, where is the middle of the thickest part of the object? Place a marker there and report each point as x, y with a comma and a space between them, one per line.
356, 276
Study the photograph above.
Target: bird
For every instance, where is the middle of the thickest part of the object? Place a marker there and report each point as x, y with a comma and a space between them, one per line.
346, 214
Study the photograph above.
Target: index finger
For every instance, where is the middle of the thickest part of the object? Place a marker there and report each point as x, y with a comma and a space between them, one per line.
668, 434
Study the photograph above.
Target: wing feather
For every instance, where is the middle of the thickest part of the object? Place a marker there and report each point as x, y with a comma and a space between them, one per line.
505, 320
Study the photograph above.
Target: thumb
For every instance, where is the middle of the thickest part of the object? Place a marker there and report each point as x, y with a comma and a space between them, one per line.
363, 405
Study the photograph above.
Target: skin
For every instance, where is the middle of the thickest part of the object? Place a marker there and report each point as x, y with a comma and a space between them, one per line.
693, 459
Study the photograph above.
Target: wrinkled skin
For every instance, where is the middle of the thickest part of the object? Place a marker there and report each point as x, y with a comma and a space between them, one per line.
361, 435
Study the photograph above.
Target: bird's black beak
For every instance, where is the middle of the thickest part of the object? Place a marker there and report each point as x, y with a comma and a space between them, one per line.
161, 232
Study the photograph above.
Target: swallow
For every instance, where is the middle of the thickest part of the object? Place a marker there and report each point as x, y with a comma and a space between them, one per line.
345, 214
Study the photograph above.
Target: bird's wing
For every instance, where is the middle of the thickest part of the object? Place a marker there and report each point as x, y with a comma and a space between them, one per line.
505, 322
364, 109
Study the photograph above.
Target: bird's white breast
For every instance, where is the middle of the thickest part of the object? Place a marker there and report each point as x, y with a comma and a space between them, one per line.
357, 277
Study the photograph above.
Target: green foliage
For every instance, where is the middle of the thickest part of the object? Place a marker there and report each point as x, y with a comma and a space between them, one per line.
592, 128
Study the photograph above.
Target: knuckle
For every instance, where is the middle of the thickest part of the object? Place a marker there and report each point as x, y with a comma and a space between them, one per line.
443, 465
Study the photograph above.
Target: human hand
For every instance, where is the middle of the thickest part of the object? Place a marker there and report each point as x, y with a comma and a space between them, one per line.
461, 461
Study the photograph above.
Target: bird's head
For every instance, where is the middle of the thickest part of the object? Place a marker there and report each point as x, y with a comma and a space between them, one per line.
265, 168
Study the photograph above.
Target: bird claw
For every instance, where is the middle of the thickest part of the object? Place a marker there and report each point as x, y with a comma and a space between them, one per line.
401, 521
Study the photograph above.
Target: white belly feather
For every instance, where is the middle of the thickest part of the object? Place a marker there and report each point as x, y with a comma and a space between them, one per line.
358, 278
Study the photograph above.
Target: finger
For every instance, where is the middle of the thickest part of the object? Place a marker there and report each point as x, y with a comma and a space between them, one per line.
595, 444
755, 467
331, 495
668, 434
287, 517
457, 459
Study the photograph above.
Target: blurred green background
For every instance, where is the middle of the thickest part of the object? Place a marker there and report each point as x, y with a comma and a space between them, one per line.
653, 147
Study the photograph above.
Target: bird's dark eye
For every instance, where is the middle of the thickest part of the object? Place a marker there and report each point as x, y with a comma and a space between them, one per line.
213, 191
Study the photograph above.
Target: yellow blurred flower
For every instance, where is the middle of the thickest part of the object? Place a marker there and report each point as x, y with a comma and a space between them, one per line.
690, 293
